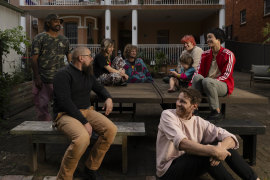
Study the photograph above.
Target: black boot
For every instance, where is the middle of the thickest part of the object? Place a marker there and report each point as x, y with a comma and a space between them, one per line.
215, 117
91, 174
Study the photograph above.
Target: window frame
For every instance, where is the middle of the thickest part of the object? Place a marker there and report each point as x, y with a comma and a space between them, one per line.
265, 7
243, 19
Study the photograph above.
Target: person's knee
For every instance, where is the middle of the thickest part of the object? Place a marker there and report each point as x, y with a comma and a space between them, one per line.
110, 133
82, 140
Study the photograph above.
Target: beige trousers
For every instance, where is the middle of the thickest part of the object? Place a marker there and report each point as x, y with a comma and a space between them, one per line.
80, 140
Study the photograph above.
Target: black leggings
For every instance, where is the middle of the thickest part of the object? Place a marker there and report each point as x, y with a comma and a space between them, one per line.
190, 166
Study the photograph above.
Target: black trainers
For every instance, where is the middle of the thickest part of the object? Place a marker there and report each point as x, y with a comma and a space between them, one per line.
123, 83
91, 174
215, 117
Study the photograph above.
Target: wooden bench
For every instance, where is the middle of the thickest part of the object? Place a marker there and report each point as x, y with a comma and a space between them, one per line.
248, 131
42, 132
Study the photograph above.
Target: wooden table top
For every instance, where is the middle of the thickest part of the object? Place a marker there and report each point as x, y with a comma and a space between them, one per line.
135, 93
238, 96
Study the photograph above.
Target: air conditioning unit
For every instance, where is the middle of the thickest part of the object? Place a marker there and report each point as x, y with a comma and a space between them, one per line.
35, 23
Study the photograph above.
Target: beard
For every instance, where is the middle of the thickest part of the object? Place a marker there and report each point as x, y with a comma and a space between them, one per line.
88, 70
55, 28
183, 112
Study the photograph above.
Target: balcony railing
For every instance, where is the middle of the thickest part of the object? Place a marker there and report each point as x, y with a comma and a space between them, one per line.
148, 51
116, 2
94, 48
172, 51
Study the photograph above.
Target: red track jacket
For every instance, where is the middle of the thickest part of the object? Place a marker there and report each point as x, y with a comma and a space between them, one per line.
225, 61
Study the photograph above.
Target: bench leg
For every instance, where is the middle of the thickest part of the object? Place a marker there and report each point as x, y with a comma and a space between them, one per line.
223, 109
42, 152
249, 148
124, 154
134, 109
120, 108
33, 155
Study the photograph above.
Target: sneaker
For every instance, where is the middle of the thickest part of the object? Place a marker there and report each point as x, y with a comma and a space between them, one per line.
215, 116
91, 174
123, 83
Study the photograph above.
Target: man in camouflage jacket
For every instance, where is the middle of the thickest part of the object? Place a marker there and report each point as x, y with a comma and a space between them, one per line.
49, 49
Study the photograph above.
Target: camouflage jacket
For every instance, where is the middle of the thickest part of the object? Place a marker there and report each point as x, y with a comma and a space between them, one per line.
51, 52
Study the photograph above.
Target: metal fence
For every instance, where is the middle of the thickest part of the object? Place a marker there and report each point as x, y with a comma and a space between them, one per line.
247, 54
117, 2
172, 51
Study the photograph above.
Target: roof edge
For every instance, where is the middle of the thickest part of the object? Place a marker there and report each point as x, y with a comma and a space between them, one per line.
6, 4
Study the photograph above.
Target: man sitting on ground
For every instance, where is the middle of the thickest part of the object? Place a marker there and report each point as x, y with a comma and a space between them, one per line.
74, 117
188, 146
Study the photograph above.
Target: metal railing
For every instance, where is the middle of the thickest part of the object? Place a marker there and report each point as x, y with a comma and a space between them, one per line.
172, 51
180, 2
94, 48
61, 2
148, 51
116, 2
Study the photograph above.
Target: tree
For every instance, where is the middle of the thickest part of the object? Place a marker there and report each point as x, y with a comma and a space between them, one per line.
12, 39
266, 33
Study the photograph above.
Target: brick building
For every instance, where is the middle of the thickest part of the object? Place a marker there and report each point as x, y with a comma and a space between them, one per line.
246, 18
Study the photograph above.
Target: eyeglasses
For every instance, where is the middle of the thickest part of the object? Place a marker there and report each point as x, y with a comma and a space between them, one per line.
89, 55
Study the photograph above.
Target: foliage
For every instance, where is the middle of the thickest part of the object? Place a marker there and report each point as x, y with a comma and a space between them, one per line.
160, 59
266, 33
12, 39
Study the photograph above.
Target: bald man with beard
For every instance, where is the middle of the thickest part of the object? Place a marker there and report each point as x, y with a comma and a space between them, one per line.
74, 117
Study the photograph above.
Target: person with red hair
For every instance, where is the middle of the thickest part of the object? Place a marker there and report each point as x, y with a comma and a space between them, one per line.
191, 48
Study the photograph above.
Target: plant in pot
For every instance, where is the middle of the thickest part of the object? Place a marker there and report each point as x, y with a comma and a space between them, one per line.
160, 60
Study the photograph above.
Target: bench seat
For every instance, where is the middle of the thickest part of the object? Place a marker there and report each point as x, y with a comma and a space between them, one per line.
42, 132
248, 131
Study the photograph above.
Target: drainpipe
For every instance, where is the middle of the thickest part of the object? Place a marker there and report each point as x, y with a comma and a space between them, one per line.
222, 17
134, 27
134, 23
107, 21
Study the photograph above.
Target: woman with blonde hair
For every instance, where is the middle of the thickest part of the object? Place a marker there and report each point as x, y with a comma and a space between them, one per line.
106, 72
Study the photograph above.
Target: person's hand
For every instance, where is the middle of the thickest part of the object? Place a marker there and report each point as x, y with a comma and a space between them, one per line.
174, 73
108, 105
213, 161
88, 128
125, 76
38, 82
121, 70
220, 153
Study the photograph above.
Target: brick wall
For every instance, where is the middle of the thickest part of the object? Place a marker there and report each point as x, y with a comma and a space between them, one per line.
251, 31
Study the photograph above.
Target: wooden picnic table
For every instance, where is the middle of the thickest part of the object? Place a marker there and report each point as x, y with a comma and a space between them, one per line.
238, 96
133, 93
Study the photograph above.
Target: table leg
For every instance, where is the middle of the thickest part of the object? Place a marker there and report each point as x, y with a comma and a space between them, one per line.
124, 154
249, 148
33, 155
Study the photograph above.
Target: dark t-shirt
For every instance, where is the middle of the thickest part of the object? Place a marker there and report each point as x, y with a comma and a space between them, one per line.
99, 62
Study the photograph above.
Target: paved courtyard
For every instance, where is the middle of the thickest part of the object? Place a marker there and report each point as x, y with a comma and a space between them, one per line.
141, 150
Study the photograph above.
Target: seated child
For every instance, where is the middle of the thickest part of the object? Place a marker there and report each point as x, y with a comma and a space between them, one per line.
181, 79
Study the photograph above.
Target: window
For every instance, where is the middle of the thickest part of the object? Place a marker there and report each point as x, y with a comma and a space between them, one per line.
266, 7
163, 37
90, 34
243, 17
71, 32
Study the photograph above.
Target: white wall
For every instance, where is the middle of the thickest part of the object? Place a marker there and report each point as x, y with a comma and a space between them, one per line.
10, 19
